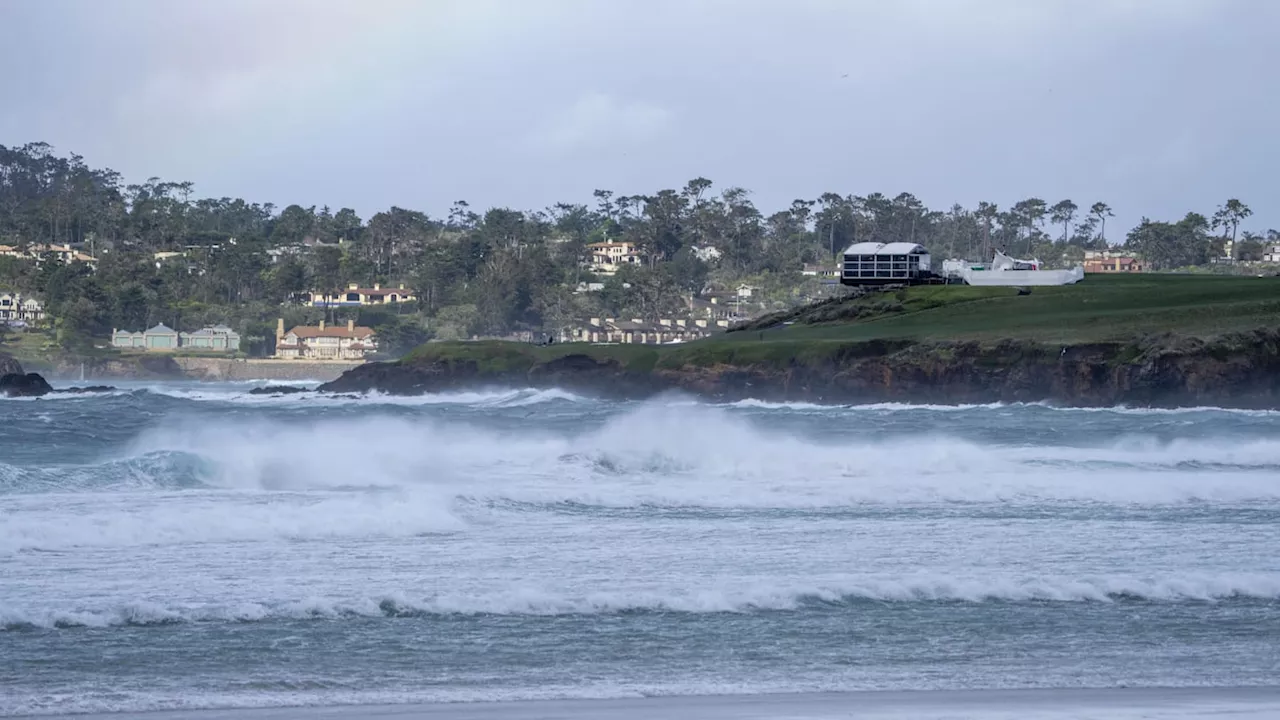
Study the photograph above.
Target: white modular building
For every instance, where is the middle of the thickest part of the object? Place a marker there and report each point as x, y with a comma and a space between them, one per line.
884, 263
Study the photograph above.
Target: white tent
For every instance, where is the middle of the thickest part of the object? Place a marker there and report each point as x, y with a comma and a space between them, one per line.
1006, 270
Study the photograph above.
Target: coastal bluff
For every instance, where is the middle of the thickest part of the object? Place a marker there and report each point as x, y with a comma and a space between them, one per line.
1236, 370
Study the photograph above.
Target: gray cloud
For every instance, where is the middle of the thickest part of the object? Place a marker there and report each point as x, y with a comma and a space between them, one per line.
1156, 106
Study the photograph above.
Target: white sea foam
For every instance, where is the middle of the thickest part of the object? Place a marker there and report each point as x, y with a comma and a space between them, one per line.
656, 453
488, 398
789, 597
751, 403
138, 520
396, 477
896, 407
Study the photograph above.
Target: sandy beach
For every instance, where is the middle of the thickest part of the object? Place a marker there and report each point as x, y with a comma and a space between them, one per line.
1118, 704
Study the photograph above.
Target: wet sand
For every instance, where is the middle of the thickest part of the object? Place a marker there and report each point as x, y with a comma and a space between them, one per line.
1127, 704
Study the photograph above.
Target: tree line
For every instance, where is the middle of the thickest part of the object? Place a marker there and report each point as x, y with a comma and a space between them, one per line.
487, 272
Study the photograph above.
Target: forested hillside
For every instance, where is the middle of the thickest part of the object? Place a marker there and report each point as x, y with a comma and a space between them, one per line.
165, 254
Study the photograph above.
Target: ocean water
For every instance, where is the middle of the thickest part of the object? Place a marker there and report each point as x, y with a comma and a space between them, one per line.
193, 546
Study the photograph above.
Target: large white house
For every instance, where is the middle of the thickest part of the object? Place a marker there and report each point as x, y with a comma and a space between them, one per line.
15, 309
355, 296
325, 342
606, 257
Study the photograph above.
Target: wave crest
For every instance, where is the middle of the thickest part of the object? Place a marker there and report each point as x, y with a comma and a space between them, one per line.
663, 455
835, 597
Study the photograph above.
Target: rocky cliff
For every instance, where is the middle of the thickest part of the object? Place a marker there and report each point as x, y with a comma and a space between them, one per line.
1238, 370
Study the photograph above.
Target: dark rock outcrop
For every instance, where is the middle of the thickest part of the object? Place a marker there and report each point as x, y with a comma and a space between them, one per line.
278, 390
87, 389
10, 366
28, 385
1240, 370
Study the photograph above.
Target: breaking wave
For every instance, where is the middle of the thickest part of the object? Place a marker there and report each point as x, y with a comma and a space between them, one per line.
896, 407
493, 398
659, 454
216, 518
783, 598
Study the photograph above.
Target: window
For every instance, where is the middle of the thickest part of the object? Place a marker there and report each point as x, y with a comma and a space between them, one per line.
353, 297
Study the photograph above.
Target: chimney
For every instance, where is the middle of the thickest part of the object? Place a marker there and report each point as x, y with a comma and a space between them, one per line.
595, 322
377, 286
321, 326
351, 326
279, 329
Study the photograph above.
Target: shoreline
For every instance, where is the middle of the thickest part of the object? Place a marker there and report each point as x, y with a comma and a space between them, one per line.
191, 368
1148, 702
1238, 371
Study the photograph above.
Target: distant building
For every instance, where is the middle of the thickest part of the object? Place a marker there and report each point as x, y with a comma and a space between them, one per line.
278, 253
706, 253
62, 253
162, 338
823, 271
321, 342
1112, 261
16, 309
1114, 265
605, 258
356, 296
1271, 254
164, 256
640, 332
216, 338
884, 263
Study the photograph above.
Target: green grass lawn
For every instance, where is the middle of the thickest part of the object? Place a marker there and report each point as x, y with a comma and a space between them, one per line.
1102, 307
501, 356
29, 345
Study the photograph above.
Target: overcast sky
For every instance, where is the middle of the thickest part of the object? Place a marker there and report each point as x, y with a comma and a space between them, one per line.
1155, 106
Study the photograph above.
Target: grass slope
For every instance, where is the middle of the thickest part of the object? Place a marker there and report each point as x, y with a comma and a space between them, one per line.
1101, 308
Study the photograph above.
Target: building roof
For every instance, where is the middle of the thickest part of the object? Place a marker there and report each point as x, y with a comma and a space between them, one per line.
161, 329
895, 248
631, 325
213, 330
379, 291
341, 331
611, 244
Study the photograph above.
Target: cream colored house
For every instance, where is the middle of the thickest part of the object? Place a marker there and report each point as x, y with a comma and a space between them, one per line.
308, 342
15, 308
605, 258
356, 296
